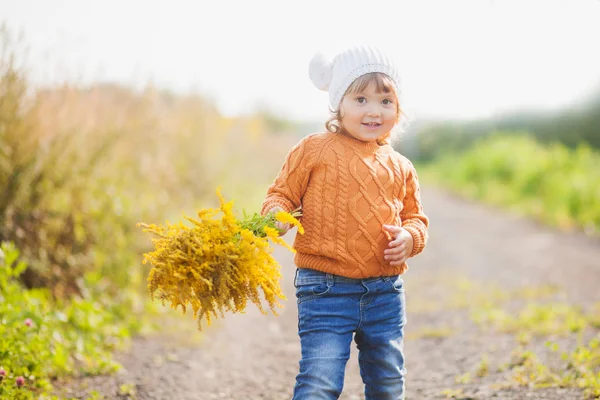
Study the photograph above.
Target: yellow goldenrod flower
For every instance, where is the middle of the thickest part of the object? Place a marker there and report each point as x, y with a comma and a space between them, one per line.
286, 218
216, 265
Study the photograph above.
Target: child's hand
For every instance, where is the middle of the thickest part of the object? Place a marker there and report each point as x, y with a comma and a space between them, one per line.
401, 245
281, 226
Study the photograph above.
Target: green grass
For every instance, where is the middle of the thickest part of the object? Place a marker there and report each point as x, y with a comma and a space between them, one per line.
44, 338
531, 314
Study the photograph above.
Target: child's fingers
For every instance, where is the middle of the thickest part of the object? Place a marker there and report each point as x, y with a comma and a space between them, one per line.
396, 255
396, 258
399, 260
393, 229
397, 263
282, 226
397, 242
396, 249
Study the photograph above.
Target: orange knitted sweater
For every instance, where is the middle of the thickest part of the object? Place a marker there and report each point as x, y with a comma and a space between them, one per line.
347, 190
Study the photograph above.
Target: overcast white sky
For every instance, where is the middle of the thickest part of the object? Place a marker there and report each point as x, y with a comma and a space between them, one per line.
458, 58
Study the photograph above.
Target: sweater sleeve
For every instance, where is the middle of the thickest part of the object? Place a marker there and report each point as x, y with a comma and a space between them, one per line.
290, 184
413, 218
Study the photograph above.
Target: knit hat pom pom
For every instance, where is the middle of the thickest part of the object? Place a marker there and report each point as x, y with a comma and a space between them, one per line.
320, 71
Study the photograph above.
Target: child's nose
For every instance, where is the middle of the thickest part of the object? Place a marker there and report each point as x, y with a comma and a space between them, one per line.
374, 111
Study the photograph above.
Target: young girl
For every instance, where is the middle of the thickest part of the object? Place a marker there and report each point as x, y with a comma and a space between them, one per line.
363, 219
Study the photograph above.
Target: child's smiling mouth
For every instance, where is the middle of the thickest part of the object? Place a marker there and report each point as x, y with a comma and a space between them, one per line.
371, 124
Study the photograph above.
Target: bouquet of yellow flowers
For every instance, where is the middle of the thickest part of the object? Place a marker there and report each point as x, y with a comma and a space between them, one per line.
217, 265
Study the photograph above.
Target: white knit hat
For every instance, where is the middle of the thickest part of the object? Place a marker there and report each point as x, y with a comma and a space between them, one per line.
335, 76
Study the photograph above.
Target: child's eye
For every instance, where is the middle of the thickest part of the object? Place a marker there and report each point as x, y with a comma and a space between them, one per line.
386, 102
361, 100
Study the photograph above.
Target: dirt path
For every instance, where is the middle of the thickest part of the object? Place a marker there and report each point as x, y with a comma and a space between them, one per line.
253, 356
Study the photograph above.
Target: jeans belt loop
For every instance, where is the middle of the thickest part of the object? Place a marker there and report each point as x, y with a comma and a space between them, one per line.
329, 280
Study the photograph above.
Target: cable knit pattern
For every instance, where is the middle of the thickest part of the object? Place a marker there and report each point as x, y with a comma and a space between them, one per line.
347, 190
342, 196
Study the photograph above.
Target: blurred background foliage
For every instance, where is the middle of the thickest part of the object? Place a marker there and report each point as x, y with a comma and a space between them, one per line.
80, 166
544, 165
571, 126
552, 183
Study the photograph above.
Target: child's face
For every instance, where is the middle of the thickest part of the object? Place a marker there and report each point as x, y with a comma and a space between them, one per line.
369, 115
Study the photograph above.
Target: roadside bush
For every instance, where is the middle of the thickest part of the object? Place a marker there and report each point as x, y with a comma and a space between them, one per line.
553, 183
44, 339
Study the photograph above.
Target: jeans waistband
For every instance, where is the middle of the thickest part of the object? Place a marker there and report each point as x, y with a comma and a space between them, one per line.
308, 276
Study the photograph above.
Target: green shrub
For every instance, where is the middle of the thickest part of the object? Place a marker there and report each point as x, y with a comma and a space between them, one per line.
43, 339
550, 182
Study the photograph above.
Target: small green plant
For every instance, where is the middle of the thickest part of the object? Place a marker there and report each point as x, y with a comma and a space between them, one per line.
430, 333
463, 378
95, 395
579, 368
536, 319
453, 393
43, 338
127, 389
483, 368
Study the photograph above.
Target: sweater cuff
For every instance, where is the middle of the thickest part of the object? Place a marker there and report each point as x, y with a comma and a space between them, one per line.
419, 239
269, 204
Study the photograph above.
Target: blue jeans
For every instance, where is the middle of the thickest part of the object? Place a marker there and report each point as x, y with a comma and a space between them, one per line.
331, 309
